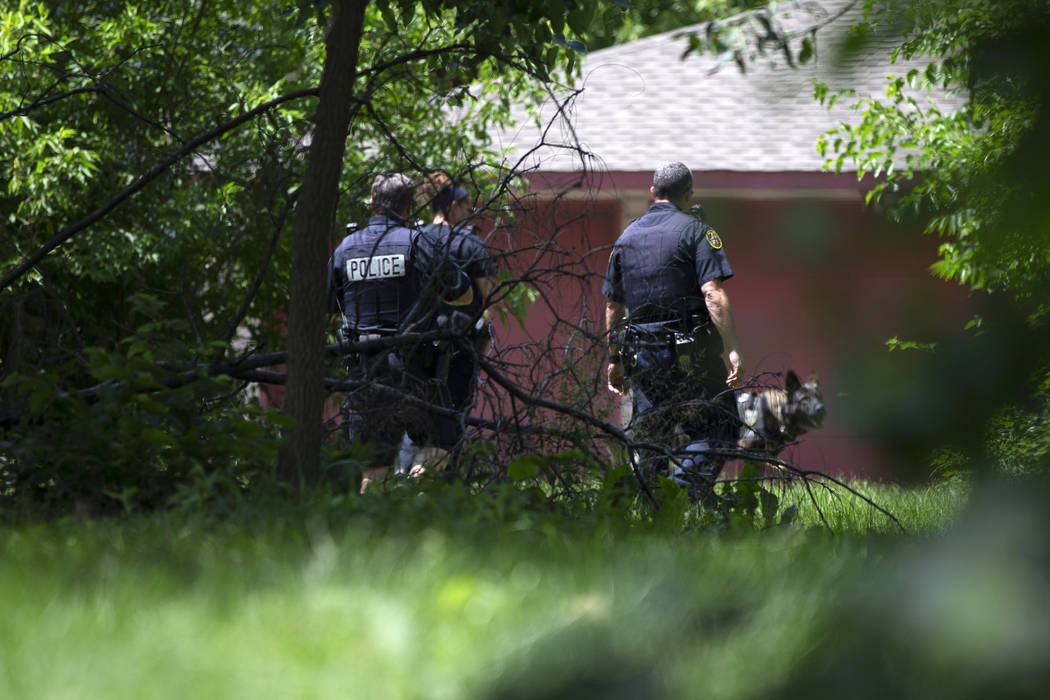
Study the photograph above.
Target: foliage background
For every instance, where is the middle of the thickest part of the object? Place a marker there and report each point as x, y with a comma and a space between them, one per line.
182, 127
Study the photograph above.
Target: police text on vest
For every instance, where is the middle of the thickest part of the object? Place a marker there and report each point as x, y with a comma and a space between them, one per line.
375, 267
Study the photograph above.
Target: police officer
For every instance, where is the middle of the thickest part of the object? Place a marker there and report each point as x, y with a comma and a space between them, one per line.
452, 209
451, 205
387, 279
669, 321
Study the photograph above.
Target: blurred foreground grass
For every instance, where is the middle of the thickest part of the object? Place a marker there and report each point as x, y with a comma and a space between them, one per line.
305, 604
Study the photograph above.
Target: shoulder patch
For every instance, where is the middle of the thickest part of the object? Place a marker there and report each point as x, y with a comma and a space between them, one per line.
713, 240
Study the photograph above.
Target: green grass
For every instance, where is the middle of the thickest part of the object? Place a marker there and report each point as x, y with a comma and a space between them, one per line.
297, 604
930, 508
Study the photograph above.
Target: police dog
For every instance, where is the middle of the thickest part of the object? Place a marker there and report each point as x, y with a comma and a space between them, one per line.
771, 418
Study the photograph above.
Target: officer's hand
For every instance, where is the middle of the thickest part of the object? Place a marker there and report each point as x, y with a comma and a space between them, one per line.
615, 371
736, 369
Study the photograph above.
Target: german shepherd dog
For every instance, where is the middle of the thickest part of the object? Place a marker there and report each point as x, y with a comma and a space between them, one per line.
771, 418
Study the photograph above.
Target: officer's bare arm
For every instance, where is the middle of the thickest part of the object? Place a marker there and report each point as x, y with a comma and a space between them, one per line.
717, 302
463, 299
484, 285
614, 313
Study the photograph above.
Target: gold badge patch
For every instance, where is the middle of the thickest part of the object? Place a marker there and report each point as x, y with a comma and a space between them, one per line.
713, 240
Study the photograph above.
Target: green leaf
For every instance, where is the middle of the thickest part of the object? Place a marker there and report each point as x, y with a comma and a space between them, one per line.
769, 503
808, 49
750, 470
154, 437
674, 510
280, 419
896, 343
616, 474
525, 467
388, 15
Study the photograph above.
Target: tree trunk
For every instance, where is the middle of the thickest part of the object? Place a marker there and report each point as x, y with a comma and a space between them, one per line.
299, 460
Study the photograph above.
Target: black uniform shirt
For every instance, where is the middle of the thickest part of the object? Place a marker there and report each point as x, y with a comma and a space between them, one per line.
660, 262
468, 253
387, 275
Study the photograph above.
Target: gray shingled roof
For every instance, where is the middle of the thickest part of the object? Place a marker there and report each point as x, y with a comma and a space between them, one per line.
641, 105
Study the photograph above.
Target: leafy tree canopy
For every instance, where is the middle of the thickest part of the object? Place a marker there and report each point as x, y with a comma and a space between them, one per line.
152, 155
96, 94
976, 175
621, 21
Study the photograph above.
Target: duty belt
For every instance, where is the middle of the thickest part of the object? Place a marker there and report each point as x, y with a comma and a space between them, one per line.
349, 335
660, 339
634, 339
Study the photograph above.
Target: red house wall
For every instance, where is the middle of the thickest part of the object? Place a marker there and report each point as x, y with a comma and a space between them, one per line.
562, 249
820, 285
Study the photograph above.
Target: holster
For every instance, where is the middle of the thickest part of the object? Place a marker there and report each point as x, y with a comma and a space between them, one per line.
443, 361
475, 329
461, 324
369, 364
690, 347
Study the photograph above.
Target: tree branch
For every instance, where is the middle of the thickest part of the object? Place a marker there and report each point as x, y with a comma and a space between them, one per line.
249, 296
146, 179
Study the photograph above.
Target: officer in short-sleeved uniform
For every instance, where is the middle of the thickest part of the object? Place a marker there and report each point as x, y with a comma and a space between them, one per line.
458, 365
468, 254
453, 211
664, 274
387, 278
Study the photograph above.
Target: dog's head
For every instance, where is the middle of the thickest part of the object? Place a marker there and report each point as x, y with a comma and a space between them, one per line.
805, 404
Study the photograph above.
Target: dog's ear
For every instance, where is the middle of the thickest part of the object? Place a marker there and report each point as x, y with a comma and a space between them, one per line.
813, 380
791, 382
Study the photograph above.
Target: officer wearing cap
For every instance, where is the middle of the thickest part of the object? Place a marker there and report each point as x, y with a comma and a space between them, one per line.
388, 279
451, 204
452, 209
670, 321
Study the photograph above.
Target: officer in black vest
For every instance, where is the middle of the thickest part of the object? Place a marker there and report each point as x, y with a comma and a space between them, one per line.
389, 279
669, 322
453, 208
